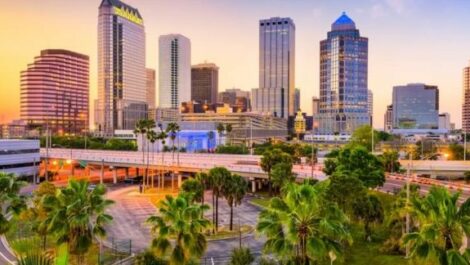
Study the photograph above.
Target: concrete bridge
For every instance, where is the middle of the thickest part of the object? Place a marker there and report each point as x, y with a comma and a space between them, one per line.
437, 168
181, 164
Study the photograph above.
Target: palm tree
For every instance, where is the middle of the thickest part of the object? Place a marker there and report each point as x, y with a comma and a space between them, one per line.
162, 135
228, 129
218, 177
141, 129
302, 227
172, 129
35, 259
281, 175
241, 256
234, 189
442, 225
38, 212
152, 136
204, 179
10, 200
76, 214
193, 189
210, 137
180, 220
220, 130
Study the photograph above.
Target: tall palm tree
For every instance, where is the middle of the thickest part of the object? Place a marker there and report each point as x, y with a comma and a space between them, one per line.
141, 129
76, 214
218, 177
210, 137
162, 135
302, 227
269, 159
172, 129
10, 200
228, 129
204, 179
180, 220
442, 225
152, 137
234, 189
220, 130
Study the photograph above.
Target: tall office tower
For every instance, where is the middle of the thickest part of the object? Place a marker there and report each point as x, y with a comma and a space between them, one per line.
54, 92
466, 100
122, 95
297, 99
388, 119
204, 83
315, 111
174, 71
343, 79
151, 89
370, 106
275, 94
415, 106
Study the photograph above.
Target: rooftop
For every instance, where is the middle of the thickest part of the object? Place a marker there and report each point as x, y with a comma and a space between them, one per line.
343, 23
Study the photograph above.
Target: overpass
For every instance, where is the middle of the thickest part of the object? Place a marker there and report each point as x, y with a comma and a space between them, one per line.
435, 168
190, 163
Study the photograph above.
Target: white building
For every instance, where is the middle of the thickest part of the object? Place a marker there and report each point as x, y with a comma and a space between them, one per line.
20, 157
444, 121
174, 76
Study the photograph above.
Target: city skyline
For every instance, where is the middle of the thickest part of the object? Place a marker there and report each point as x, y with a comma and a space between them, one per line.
388, 24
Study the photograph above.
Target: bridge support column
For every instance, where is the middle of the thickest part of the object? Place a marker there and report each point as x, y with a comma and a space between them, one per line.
260, 184
180, 180
253, 185
115, 175
136, 171
102, 172
126, 175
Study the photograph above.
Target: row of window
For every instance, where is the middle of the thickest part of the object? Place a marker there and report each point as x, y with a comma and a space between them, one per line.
21, 151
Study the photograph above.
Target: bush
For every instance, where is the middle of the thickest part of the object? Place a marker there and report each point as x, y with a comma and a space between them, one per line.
232, 149
241, 256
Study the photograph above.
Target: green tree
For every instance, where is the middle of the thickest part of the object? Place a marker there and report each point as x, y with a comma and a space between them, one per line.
220, 130
390, 161
39, 213
302, 227
218, 177
35, 259
152, 137
281, 175
241, 256
234, 189
162, 135
10, 200
442, 227
228, 129
149, 258
466, 176
194, 188
180, 220
172, 129
271, 158
369, 210
362, 136
141, 129
344, 189
75, 214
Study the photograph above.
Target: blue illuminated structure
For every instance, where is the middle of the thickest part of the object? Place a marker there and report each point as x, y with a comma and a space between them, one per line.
194, 141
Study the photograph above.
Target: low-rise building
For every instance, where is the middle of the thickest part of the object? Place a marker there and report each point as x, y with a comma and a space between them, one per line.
20, 157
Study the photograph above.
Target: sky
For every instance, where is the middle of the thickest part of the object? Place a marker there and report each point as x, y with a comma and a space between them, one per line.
410, 41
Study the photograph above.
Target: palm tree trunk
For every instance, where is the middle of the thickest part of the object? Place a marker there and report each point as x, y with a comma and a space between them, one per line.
213, 212
217, 213
231, 217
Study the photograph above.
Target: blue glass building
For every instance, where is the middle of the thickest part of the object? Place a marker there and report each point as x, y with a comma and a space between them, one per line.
343, 79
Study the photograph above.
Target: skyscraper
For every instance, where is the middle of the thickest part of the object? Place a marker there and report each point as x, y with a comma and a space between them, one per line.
236, 98
204, 83
388, 119
150, 73
343, 79
370, 106
275, 94
415, 106
466, 100
122, 95
54, 92
174, 71
297, 99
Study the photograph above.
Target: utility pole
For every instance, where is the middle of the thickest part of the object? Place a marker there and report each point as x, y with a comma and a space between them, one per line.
408, 202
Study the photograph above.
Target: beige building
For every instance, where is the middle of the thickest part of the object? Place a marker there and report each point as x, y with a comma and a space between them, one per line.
466, 100
150, 88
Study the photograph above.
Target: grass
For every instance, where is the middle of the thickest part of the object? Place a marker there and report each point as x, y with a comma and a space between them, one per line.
225, 233
261, 202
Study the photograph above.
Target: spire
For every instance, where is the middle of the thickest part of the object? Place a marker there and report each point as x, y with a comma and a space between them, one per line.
343, 23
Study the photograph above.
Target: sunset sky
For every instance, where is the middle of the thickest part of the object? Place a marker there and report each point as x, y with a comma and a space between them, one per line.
410, 41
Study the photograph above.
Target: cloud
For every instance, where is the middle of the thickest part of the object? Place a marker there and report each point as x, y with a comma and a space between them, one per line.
377, 10
397, 5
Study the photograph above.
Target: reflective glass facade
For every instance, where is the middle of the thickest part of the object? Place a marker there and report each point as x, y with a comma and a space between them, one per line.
343, 79
121, 62
466, 100
415, 106
275, 94
54, 92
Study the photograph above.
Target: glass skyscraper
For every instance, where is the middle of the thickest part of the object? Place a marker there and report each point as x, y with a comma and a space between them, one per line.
466, 100
275, 94
122, 94
415, 106
54, 92
343, 79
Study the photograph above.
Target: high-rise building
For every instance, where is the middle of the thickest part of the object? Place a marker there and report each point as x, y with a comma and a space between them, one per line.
297, 99
122, 95
466, 100
204, 83
54, 92
150, 73
315, 111
388, 119
174, 76
343, 79
275, 94
370, 106
444, 121
415, 106
240, 100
